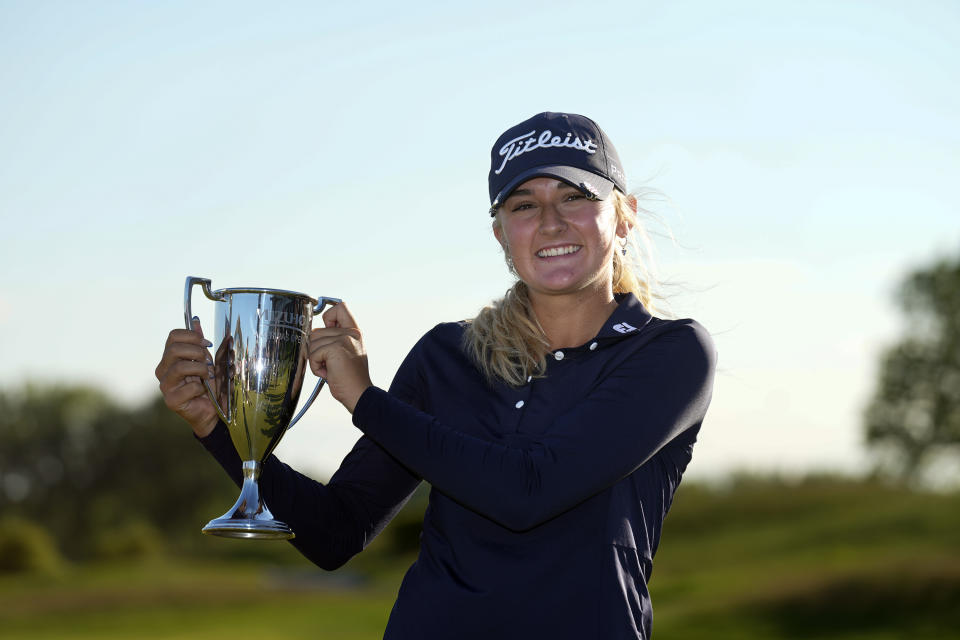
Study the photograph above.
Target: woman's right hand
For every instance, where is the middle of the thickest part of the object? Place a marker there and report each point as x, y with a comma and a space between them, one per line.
184, 364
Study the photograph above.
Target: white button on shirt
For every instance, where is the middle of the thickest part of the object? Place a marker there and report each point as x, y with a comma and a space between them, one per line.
593, 345
558, 355
519, 404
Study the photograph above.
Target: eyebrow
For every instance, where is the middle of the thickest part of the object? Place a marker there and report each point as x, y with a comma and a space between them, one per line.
526, 192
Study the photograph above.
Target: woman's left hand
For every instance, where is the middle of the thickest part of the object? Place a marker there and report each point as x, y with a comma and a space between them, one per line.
337, 354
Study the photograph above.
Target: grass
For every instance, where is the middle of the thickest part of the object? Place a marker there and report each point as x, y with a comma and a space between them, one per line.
819, 559
826, 559
190, 600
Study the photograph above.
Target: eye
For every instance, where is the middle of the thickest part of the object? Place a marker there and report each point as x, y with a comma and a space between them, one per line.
521, 206
575, 195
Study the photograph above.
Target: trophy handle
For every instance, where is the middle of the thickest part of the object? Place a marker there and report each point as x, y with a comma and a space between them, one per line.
188, 318
321, 305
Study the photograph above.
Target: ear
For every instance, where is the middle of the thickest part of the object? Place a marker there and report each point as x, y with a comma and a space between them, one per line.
625, 225
498, 233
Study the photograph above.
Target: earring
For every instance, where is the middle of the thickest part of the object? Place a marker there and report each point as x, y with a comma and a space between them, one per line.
623, 246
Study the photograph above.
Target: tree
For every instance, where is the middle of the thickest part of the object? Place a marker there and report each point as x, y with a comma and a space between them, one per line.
914, 415
82, 466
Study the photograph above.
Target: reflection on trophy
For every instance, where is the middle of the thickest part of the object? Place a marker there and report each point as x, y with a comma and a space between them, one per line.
260, 356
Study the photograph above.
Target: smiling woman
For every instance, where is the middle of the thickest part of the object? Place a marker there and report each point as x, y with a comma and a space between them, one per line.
562, 212
558, 239
554, 427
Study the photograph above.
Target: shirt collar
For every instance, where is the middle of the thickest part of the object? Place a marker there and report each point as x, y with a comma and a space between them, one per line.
627, 319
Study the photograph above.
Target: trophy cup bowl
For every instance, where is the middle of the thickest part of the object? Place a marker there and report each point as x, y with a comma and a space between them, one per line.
260, 357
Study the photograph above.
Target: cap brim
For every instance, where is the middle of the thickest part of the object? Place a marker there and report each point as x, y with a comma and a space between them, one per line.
587, 181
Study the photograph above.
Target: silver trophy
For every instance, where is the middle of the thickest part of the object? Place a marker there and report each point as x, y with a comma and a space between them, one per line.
259, 360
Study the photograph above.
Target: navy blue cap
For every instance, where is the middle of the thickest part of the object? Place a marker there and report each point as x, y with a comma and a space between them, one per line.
565, 146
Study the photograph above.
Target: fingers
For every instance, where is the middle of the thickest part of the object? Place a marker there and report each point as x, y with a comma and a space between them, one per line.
182, 352
179, 398
333, 344
340, 327
185, 366
185, 351
225, 356
183, 372
337, 354
190, 337
182, 344
338, 316
195, 322
332, 334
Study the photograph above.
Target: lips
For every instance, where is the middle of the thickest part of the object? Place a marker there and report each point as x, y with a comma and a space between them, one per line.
563, 250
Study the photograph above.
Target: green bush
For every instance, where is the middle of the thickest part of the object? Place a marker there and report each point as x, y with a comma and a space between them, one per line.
132, 540
26, 547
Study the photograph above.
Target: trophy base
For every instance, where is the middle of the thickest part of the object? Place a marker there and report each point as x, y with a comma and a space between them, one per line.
249, 517
256, 529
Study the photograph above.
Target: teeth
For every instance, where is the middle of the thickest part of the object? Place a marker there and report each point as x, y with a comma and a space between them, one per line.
558, 251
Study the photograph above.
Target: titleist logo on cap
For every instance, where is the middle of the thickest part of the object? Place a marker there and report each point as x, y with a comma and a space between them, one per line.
562, 146
528, 142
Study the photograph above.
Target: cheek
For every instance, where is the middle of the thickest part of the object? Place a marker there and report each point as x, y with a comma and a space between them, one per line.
599, 223
515, 235
603, 234
608, 226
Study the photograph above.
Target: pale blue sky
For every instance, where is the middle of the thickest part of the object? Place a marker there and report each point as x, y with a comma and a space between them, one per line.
810, 152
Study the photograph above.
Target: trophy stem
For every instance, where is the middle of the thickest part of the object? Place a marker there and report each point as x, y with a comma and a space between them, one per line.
249, 517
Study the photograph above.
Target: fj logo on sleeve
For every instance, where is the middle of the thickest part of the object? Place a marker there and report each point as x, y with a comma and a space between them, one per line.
623, 327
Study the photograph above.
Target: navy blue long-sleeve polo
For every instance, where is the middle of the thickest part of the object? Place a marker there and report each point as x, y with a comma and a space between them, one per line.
547, 500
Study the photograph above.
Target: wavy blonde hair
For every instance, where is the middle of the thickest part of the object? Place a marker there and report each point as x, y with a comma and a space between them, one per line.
506, 341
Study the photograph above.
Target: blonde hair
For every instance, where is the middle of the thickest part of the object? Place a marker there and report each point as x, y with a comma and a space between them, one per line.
506, 341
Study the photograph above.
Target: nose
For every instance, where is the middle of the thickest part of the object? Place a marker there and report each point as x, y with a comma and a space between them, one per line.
551, 220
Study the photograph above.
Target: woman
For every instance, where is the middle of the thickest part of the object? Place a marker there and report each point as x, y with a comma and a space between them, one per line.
554, 427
